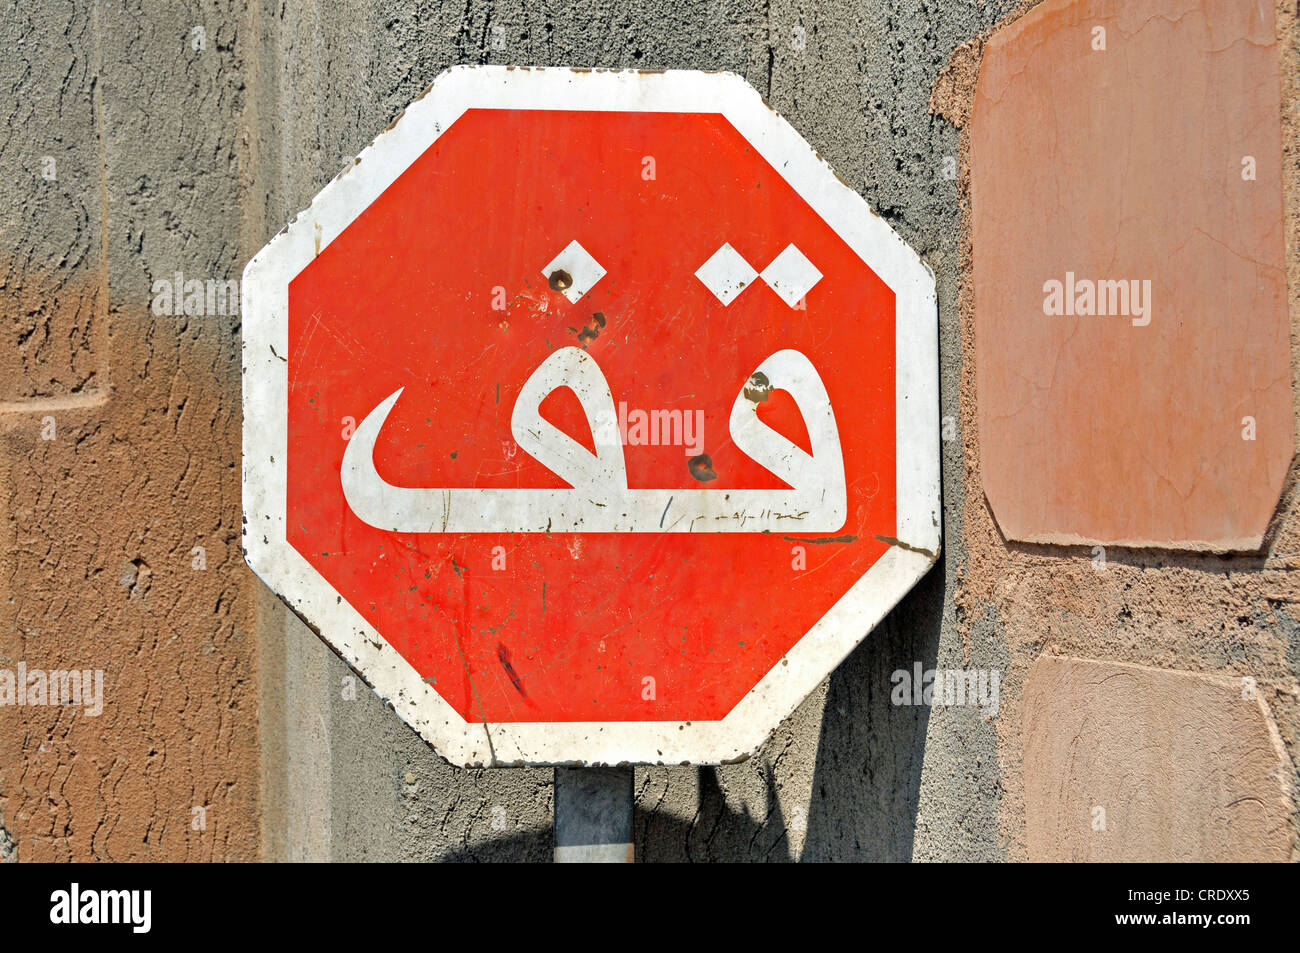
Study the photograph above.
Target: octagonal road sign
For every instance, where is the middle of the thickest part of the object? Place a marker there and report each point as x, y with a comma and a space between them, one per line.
590, 417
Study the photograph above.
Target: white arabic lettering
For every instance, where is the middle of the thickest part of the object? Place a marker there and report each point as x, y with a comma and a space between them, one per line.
600, 500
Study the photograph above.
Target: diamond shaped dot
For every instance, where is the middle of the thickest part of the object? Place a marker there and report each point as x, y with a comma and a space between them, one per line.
573, 272
791, 275
726, 274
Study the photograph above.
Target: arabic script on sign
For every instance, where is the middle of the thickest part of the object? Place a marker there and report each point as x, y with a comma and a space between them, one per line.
600, 500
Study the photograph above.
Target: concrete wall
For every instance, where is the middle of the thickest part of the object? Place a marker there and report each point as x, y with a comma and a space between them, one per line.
181, 150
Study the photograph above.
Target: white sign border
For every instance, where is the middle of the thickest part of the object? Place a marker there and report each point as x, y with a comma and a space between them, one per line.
265, 392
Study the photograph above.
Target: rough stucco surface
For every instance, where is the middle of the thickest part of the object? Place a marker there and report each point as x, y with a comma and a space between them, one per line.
1233, 616
100, 521
52, 286
1125, 762
219, 696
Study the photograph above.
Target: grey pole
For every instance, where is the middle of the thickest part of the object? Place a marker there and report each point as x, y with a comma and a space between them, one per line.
593, 815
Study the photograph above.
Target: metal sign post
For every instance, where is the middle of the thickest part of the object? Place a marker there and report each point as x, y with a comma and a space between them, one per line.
593, 815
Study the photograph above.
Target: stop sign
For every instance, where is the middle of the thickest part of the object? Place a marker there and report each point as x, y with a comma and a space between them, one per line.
590, 417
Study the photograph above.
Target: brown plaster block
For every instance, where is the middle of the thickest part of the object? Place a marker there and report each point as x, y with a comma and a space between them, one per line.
1128, 763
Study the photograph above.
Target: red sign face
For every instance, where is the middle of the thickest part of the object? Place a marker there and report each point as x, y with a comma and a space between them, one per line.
591, 417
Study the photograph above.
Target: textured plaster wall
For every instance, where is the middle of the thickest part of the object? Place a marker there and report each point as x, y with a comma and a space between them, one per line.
1231, 616
119, 431
172, 158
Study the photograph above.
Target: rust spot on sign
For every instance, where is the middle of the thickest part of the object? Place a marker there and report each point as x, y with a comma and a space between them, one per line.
701, 468
759, 388
891, 541
592, 329
560, 280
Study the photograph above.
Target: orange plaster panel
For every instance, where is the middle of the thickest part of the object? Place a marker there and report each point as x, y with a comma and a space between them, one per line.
1135, 142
